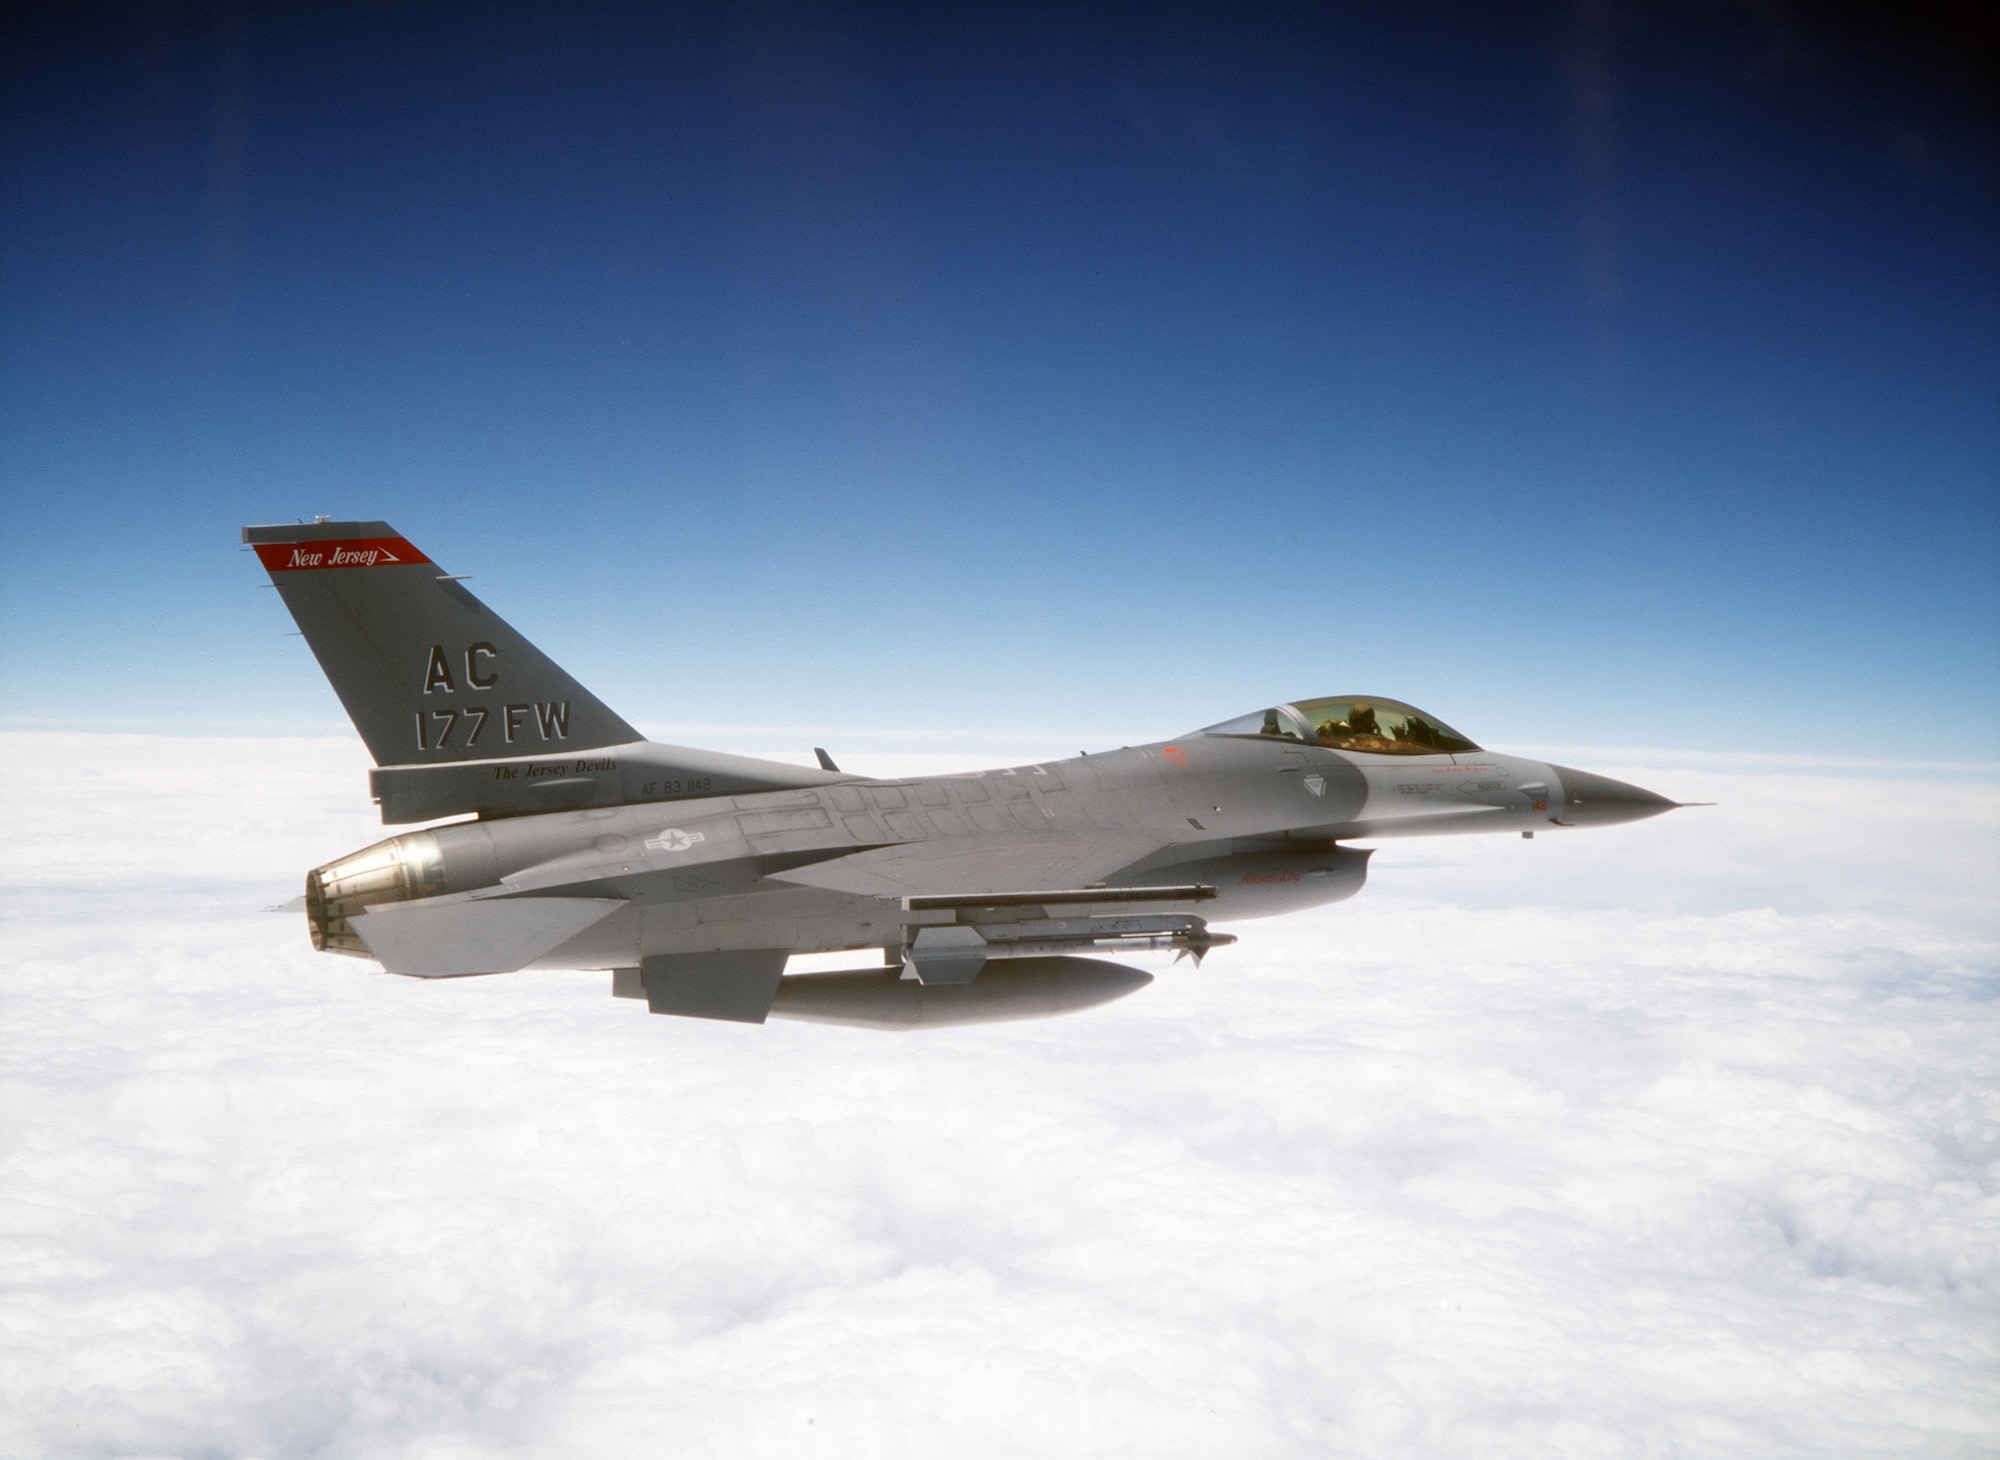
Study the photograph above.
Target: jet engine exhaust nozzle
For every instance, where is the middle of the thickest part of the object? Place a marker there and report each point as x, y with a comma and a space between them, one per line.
396, 870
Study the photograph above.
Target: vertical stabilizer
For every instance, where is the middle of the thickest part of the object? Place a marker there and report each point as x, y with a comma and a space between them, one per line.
427, 672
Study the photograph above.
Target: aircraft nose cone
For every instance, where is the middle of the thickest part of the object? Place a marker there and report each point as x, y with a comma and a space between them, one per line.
1593, 800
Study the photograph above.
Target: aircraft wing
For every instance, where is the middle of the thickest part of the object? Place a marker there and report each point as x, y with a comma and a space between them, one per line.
919, 868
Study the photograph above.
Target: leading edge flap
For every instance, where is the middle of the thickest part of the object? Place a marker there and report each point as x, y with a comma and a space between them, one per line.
427, 673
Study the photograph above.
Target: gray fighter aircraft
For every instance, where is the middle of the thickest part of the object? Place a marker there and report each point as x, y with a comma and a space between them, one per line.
693, 875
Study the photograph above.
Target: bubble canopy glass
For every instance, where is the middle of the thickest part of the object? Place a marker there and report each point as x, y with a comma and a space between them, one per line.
1372, 726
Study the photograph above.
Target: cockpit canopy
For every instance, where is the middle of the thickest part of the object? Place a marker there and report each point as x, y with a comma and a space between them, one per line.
1374, 726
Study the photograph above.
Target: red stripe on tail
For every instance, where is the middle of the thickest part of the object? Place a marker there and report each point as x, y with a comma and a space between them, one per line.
365, 552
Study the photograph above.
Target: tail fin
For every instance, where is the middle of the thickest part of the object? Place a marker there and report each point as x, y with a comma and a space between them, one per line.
427, 673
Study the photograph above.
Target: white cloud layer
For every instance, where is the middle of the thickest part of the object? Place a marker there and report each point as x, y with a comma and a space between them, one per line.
1671, 1139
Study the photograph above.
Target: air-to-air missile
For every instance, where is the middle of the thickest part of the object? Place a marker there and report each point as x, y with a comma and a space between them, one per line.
694, 875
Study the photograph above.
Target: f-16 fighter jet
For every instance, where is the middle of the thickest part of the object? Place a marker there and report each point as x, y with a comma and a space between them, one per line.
692, 875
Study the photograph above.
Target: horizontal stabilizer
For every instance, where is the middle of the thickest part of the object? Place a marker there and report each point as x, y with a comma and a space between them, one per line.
446, 937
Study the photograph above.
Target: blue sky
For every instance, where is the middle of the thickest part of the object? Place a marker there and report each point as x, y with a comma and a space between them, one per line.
1589, 375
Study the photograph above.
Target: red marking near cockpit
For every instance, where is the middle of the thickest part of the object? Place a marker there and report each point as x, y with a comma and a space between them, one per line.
1175, 754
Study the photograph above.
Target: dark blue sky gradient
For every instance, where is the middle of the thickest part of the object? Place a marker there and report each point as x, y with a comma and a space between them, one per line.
1593, 373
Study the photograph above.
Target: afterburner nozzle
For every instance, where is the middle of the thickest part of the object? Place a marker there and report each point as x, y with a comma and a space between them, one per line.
396, 870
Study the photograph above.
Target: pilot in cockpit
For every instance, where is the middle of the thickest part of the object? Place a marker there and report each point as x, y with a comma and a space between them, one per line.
1375, 727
